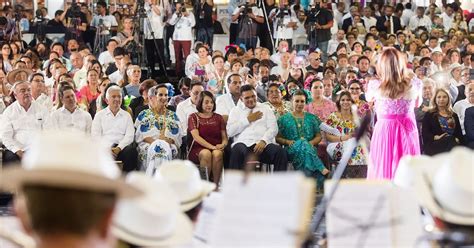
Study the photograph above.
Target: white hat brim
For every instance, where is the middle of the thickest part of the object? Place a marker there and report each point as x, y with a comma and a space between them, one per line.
182, 235
14, 178
207, 188
426, 197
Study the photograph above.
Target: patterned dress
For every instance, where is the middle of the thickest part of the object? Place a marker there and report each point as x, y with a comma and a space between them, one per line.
336, 149
302, 154
150, 125
285, 108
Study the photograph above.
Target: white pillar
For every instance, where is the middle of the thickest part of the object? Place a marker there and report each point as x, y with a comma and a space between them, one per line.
54, 5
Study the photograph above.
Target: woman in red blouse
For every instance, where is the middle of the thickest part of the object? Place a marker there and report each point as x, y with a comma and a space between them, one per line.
90, 91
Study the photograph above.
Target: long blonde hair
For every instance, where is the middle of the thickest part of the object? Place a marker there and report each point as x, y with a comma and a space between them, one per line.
393, 73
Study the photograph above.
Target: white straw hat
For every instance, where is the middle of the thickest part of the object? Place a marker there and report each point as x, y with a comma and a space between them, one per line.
407, 169
154, 219
445, 186
183, 177
67, 160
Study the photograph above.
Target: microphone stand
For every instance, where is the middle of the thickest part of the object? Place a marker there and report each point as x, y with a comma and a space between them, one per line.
321, 211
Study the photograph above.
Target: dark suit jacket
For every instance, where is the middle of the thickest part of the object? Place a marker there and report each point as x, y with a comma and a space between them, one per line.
347, 23
469, 126
431, 128
381, 27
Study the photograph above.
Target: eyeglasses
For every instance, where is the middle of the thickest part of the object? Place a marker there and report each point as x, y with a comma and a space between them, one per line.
351, 88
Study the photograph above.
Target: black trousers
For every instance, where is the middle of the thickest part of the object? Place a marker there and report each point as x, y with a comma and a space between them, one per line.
9, 157
272, 154
233, 32
264, 37
169, 30
129, 157
153, 56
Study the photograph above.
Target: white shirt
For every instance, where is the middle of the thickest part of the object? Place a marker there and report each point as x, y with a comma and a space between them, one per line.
190, 60
45, 101
183, 26
265, 128
275, 58
156, 22
299, 35
447, 21
78, 120
19, 125
225, 103
415, 22
183, 111
406, 15
115, 77
337, 17
114, 129
369, 22
106, 58
332, 45
391, 28
108, 21
80, 77
282, 31
460, 109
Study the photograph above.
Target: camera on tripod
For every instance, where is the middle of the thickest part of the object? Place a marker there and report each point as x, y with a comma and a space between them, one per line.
74, 11
313, 10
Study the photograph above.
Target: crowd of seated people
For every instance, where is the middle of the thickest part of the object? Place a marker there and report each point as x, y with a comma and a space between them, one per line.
293, 106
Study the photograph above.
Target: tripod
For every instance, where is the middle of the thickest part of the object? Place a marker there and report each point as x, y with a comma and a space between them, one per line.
144, 21
16, 28
100, 40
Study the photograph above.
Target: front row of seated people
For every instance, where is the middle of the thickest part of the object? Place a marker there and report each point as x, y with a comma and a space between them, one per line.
252, 127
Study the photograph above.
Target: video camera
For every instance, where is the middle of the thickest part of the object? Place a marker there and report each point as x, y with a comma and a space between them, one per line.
283, 11
246, 8
74, 11
314, 10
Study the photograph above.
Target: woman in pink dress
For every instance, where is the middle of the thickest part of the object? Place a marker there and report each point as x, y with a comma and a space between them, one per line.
320, 106
395, 95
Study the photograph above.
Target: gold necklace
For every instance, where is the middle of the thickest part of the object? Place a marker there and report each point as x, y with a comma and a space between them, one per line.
299, 125
163, 121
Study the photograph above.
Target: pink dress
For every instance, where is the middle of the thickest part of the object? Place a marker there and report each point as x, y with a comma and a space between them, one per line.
395, 133
322, 112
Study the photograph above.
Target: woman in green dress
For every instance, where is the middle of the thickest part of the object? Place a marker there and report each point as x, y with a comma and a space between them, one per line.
299, 133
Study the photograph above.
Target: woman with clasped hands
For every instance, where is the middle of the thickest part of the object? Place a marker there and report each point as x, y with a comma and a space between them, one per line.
158, 131
209, 136
299, 132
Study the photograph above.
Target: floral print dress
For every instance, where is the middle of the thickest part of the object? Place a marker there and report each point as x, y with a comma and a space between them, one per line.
151, 125
336, 149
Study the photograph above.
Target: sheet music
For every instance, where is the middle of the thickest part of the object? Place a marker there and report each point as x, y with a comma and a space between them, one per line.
372, 214
207, 217
405, 206
359, 216
264, 212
